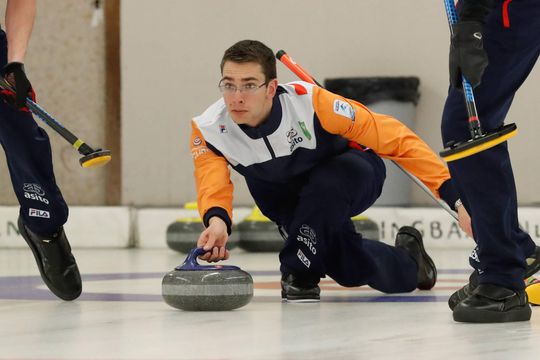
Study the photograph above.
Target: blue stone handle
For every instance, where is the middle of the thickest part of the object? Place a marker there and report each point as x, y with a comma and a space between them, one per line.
191, 262
191, 259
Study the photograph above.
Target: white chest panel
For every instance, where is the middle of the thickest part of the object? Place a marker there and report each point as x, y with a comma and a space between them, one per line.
296, 130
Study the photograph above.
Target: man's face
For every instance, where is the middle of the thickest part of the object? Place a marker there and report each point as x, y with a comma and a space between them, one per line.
247, 94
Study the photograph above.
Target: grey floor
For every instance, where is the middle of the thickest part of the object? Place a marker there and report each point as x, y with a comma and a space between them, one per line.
121, 316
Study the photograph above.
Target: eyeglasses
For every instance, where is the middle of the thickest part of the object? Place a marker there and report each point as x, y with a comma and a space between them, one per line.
229, 89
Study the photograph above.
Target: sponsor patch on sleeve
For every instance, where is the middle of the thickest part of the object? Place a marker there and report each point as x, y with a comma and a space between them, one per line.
344, 109
198, 151
197, 141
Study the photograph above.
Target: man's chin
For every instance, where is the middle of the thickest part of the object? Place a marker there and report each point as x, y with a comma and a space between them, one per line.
239, 118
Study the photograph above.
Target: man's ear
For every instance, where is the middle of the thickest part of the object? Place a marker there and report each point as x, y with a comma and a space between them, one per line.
272, 87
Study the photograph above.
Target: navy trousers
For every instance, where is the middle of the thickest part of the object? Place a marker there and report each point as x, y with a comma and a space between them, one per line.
28, 154
485, 180
316, 208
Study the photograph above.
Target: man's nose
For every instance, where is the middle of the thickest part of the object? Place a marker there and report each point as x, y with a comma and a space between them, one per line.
238, 96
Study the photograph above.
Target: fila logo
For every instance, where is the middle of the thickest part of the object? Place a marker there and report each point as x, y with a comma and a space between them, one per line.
303, 258
39, 213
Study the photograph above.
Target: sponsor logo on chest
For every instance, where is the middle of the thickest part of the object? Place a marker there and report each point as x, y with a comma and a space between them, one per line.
293, 138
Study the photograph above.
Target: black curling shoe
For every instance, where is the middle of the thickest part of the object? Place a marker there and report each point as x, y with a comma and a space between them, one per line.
295, 290
410, 239
493, 304
533, 265
463, 292
56, 264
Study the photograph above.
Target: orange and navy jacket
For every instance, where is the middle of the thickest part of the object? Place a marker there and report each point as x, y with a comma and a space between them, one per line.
306, 125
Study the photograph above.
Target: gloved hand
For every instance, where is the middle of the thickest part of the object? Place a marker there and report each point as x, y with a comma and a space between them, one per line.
15, 75
467, 55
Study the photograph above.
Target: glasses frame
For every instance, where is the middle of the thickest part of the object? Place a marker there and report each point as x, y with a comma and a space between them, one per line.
241, 89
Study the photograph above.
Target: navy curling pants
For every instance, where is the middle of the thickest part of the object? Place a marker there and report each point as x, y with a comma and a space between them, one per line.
485, 181
316, 208
28, 154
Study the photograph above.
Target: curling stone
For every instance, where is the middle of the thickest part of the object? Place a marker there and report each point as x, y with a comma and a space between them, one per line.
182, 235
259, 234
195, 287
532, 287
365, 226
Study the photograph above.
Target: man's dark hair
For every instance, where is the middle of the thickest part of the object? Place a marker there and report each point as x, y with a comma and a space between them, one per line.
252, 51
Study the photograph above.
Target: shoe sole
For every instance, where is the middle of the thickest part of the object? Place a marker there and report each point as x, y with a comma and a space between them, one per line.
39, 263
432, 265
294, 299
300, 301
468, 315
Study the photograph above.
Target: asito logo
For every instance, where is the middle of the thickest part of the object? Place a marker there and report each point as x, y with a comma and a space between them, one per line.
308, 237
33, 188
307, 231
293, 138
34, 192
36, 197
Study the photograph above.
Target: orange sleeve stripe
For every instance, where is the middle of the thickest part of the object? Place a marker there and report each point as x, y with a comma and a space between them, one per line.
212, 176
388, 137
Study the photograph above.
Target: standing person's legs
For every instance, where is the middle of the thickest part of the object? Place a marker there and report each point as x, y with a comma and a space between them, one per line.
29, 160
485, 180
43, 210
28, 154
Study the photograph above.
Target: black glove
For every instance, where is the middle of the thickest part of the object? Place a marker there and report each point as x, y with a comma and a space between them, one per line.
15, 75
467, 55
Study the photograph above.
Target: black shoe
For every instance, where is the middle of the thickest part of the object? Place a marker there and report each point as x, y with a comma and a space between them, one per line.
493, 304
56, 264
410, 239
294, 290
533, 265
464, 292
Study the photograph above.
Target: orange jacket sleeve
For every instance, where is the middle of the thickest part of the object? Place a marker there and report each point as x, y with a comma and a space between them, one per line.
212, 179
388, 137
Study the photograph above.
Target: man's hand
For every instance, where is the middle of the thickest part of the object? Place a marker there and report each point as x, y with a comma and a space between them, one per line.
16, 77
467, 55
213, 239
464, 220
